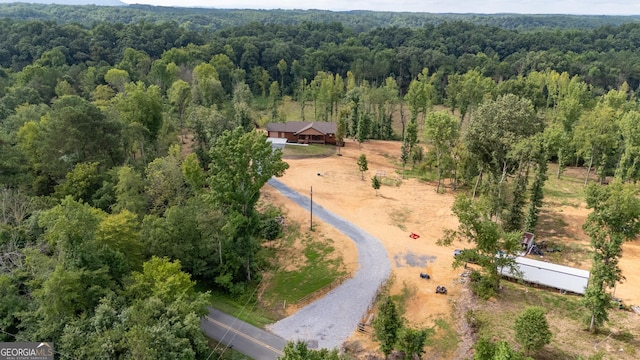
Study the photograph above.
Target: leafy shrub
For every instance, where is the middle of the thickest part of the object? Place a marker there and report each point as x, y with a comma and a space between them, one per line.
270, 229
532, 329
485, 349
484, 287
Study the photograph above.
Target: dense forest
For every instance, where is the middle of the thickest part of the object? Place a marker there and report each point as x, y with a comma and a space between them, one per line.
358, 20
108, 220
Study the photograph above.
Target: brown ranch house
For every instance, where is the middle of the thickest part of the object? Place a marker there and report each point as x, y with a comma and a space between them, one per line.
304, 132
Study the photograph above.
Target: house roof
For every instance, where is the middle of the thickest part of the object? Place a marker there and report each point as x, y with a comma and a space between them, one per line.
299, 126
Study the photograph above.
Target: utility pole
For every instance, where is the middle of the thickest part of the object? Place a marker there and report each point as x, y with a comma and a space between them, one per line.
311, 211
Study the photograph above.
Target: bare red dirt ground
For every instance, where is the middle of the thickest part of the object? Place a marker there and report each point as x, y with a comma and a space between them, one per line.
394, 212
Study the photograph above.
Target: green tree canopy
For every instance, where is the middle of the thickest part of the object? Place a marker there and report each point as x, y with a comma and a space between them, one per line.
387, 325
412, 341
494, 249
300, 351
241, 163
363, 164
615, 218
141, 105
74, 131
442, 132
532, 329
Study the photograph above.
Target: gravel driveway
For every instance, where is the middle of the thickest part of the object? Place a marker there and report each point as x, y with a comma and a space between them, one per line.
329, 321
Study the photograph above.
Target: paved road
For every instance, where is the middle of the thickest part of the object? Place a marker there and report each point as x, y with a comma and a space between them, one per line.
329, 321
245, 338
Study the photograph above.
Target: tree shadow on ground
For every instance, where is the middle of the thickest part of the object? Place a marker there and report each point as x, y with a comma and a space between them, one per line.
551, 225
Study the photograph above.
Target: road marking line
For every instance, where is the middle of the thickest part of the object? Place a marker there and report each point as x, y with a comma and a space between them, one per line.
237, 332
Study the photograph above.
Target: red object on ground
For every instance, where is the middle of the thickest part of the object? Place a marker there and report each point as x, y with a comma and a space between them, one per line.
414, 236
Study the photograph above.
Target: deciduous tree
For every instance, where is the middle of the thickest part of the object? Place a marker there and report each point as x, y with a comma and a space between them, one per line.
615, 218
387, 325
81, 183
121, 232
165, 186
492, 133
467, 91
179, 95
130, 193
375, 183
494, 249
140, 108
74, 131
241, 163
117, 78
532, 329
412, 341
363, 165
628, 168
11, 303
299, 351
206, 89
441, 131
596, 136
242, 99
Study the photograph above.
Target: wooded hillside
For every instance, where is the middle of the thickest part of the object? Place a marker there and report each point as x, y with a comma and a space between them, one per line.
106, 223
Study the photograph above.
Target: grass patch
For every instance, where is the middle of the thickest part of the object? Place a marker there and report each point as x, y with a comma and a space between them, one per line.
317, 271
419, 171
261, 103
244, 309
551, 225
567, 190
391, 181
399, 216
310, 150
293, 110
446, 339
401, 299
623, 336
565, 314
570, 253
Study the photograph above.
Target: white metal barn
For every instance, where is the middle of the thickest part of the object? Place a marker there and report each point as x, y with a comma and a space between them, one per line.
277, 143
552, 275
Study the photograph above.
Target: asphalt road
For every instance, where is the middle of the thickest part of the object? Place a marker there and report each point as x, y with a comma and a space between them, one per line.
245, 338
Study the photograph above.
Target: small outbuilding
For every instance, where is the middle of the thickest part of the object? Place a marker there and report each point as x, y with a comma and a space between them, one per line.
304, 132
527, 241
563, 278
277, 143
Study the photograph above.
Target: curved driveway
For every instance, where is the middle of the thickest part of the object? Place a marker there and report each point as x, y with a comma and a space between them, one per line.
329, 321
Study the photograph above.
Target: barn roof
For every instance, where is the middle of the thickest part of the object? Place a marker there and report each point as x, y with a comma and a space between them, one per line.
551, 275
277, 141
553, 267
299, 126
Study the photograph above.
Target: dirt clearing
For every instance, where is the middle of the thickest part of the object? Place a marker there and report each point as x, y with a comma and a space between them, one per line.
395, 212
